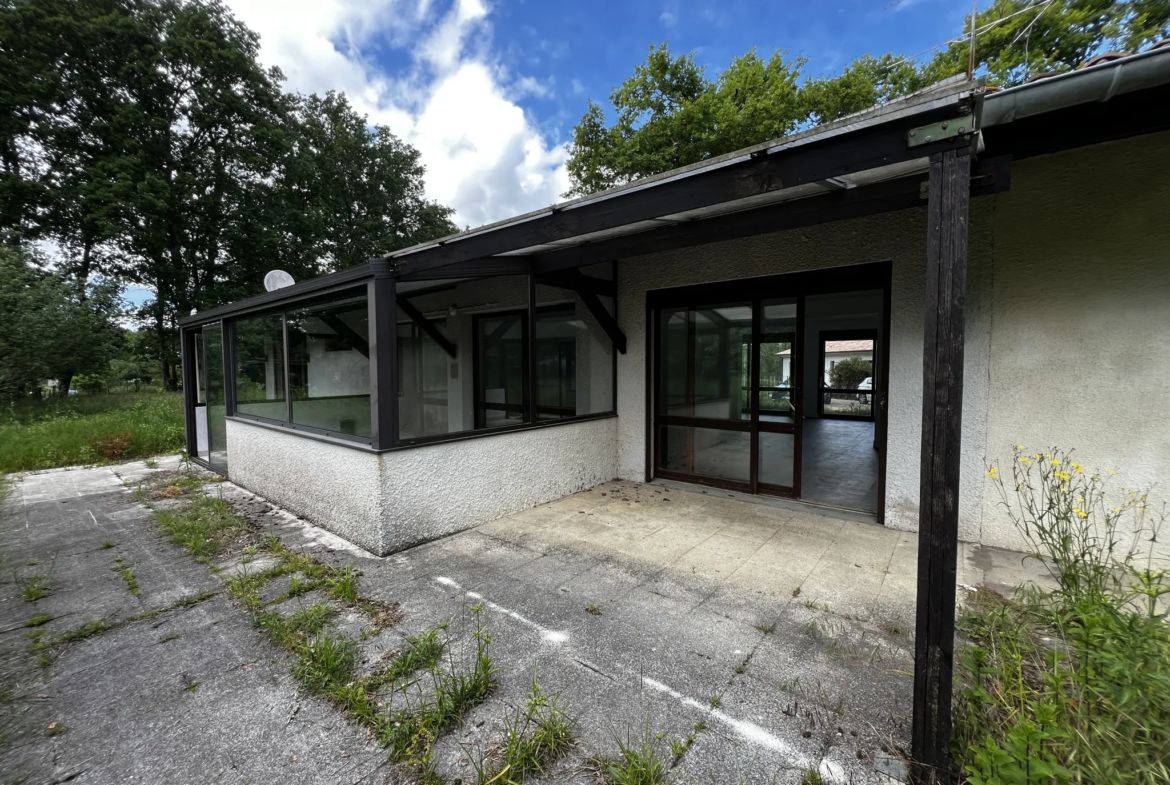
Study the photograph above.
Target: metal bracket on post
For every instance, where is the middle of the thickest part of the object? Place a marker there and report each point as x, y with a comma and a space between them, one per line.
936, 132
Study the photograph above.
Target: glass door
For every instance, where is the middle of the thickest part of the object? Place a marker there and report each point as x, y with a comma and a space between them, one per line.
214, 396
779, 394
728, 396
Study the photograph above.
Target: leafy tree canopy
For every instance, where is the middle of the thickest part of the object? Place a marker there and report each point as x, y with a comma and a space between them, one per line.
669, 113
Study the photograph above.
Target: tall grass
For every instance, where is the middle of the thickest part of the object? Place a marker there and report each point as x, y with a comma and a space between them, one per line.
1072, 685
81, 429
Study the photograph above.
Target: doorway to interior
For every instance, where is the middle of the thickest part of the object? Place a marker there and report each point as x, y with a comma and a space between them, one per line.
206, 388
775, 385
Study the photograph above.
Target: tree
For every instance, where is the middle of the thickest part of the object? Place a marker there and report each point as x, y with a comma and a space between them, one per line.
144, 140
47, 331
848, 373
669, 114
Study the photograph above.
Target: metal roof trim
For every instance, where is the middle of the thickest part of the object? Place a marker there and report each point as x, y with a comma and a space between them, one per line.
949, 91
1099, 82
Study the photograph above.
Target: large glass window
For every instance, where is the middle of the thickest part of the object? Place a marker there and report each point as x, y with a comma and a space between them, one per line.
501, 368
329, 366
260, 372
424, 399
574, 356
706, 361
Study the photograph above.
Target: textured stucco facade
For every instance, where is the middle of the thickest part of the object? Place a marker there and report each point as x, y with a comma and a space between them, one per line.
390, 501
1067, 336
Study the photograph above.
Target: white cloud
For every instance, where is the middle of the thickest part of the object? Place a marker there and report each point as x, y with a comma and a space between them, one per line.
454, 100
669, 17
578, 88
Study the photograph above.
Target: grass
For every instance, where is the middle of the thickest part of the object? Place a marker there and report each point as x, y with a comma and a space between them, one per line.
202, 527
593, 610
37, 619
123, 569
534, 737
34, 587
1069, 685
641, 762
83, 429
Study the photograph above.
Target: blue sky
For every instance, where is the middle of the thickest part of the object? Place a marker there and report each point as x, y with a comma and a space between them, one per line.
489, 90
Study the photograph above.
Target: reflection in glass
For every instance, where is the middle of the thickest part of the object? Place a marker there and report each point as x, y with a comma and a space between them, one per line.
574, 356
778, 337
777, 453
501, 396
214, 391
260, 367
329, 366
706, 361
706, 451
423, 403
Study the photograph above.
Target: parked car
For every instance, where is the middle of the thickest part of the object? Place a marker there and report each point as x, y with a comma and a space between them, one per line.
866, 384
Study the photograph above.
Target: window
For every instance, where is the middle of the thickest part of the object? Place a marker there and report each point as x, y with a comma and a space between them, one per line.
260, 373
501, 353
325, 366
423, 391
574, 356
329, 366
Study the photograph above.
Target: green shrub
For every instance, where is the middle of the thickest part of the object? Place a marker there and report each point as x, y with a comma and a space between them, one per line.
1071, 685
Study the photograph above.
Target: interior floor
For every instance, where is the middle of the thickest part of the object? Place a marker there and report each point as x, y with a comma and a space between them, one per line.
840, 465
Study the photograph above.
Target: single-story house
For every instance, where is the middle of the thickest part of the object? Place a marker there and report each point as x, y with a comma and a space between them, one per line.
986, 241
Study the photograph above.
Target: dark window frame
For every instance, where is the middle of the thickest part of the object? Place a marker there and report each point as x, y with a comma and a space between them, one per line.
379, 288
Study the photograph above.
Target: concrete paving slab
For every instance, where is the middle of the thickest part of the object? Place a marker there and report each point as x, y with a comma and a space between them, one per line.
693, 623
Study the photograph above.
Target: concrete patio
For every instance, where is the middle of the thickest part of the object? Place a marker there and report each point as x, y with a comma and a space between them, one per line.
778, 639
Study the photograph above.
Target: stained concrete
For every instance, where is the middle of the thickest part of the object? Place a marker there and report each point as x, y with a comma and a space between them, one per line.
698, 622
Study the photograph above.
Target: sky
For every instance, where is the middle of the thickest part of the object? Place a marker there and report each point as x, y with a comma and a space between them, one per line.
488, 91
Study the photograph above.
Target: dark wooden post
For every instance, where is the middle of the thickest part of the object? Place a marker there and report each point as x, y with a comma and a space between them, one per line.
942, 405
383, 309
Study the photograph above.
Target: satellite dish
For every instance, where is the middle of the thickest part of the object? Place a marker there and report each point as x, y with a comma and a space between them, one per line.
277, 279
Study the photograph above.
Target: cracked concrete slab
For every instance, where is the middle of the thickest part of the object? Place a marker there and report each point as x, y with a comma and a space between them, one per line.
780, 640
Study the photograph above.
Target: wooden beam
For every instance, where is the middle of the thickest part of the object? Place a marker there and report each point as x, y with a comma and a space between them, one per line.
942, 407
990, 176
599, 286
428, 327
832, 156
604, 318
343, 330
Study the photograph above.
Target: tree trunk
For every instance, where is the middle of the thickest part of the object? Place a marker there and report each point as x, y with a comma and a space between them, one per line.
63, 384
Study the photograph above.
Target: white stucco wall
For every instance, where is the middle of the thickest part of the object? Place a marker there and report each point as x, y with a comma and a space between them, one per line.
389, 501
1080, 342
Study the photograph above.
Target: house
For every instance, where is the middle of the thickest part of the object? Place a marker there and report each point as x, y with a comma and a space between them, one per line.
985, 242
618, 335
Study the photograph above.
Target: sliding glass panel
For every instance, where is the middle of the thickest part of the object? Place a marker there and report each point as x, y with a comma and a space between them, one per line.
777, 453
777, 345
424, 390
574, 355
329, 366
502, 370
200, 397
260, 367
674, 373
706, 451
216, 396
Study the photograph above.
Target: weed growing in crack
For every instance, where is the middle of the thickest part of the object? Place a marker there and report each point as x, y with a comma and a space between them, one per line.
343, 585
326, 663
534, 738
123, 569
168, 638
105, 546
37, 619
34, 587
593, 609
411, 731
202, 527
56, 729
641, 762
679, 747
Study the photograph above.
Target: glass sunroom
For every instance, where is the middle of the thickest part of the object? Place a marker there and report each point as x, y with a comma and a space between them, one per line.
312, 394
